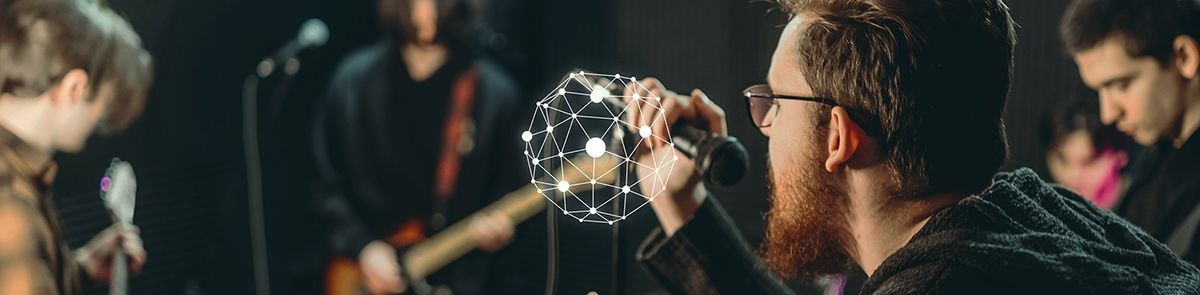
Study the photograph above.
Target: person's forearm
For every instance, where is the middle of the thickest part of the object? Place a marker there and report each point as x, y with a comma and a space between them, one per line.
675, 211
707, 254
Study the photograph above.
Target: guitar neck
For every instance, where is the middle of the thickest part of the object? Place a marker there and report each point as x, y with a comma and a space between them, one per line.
436, 252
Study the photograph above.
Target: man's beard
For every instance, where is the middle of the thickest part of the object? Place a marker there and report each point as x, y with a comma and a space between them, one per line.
806, 226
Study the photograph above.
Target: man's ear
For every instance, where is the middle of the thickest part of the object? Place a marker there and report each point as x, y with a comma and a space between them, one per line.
71, 89
845, 136
1186, 55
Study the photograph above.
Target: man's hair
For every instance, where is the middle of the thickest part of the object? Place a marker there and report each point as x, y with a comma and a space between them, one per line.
42, 40
928, 79
1147, 27
455, 25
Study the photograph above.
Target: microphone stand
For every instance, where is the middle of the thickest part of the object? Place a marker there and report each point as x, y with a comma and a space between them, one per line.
618, 236
618, 247
253, 158
258, 239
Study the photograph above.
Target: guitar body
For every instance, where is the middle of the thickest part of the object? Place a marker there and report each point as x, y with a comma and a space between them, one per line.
343, 276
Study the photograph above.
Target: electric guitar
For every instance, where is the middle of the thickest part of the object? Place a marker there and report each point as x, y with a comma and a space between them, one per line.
428, 255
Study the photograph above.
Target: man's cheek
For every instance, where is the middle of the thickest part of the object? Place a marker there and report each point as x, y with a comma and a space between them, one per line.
779, 151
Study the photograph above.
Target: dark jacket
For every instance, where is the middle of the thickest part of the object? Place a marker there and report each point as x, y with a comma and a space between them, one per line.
1165, 194
377, 143
1020, 236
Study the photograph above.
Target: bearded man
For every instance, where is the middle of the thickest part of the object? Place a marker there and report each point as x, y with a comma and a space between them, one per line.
886, 135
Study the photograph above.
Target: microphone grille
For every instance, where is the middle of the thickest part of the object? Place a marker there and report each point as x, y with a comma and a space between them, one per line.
728, 163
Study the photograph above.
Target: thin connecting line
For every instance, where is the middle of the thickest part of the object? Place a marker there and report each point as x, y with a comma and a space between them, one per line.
572, 105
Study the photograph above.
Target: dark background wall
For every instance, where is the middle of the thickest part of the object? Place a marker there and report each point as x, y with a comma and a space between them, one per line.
187, 147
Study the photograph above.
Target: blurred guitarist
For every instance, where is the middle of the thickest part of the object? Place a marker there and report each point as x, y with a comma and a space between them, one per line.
68, 68
415, 135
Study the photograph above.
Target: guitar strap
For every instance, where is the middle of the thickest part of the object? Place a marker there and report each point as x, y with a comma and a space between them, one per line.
457, 141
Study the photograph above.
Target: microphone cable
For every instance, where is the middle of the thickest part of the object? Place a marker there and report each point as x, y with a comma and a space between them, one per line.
551, 229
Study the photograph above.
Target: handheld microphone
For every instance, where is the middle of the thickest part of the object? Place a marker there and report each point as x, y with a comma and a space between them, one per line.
313, 33
721, 160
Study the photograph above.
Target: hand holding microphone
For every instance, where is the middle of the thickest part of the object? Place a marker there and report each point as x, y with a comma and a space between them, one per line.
684, 189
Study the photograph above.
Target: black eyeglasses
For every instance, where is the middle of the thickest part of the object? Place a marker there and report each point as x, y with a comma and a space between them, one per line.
761, 102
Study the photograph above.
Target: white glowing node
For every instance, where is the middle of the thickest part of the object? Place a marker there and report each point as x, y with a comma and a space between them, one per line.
595, 147
585, 124
598, 94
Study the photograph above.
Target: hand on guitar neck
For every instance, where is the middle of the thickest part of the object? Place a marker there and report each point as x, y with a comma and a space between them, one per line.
381, 269
96, 257
490, 228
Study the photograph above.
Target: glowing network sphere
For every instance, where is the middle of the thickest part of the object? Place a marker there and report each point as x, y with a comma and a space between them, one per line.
583, 120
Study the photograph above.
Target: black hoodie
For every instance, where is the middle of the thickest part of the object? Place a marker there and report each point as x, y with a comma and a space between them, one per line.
1020, 236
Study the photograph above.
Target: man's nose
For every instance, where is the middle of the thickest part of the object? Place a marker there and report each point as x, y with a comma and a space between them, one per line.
1109, 110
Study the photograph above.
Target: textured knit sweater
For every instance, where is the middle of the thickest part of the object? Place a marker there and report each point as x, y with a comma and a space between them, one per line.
1020, 236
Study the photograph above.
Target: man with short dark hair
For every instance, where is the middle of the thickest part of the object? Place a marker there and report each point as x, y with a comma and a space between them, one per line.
68, 68
884, 118
1143, 58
